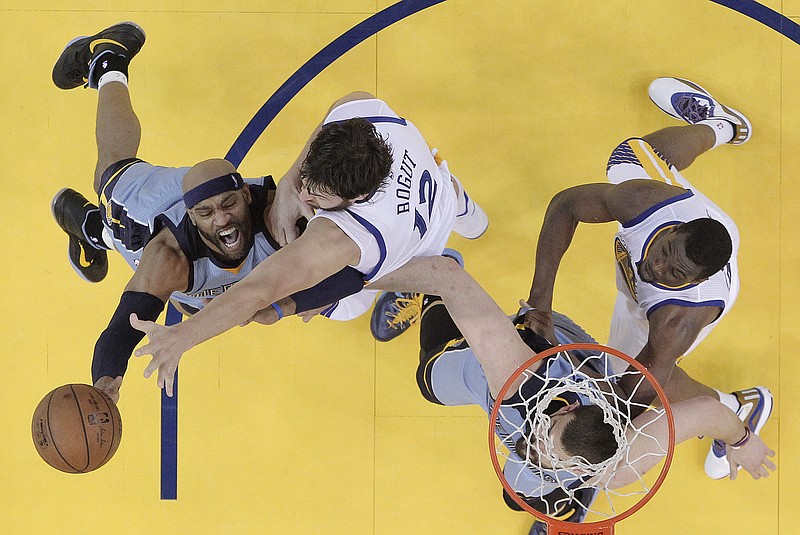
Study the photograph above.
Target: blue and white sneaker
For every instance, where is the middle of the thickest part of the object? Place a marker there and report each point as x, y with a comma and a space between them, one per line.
755, 406
395, 312
689, 102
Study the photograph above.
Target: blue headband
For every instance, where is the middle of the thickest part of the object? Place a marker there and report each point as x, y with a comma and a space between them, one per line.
215, 186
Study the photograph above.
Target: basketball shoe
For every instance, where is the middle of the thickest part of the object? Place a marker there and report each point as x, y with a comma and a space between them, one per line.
395, 312
72, 211
76, 64
471, 221
575, 511
689, 102
755, 406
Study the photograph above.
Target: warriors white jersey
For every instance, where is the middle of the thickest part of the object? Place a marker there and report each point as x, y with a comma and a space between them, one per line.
413, 213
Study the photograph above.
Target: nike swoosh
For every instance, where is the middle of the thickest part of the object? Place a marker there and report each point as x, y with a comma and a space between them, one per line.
83, 261
101, 41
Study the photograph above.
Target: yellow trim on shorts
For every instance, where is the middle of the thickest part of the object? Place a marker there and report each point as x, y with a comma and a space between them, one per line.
432, 359
653, 165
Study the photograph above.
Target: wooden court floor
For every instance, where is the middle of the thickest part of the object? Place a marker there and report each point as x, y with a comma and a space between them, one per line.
309, 429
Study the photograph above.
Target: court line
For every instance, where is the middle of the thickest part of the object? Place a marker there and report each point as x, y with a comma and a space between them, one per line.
766, 16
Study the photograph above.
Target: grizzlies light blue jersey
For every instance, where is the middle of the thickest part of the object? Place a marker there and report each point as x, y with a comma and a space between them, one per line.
139, 200
413, 213
458, 379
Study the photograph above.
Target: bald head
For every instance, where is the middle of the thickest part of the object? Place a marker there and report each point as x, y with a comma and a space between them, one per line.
205, 171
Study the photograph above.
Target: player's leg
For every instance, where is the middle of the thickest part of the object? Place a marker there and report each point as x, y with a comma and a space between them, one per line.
471, 221
97, 61
691, 103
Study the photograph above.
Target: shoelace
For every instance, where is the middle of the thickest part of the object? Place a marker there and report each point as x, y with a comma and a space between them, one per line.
690, 109
408, 311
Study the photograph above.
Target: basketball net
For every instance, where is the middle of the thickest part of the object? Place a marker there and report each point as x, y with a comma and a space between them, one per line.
585, 371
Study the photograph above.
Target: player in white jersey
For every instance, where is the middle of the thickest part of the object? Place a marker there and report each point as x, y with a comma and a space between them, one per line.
381, 198
676, 250
190, 233
469, 351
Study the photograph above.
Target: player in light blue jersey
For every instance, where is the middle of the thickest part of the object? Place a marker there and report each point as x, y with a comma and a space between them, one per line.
470, 348
189, 233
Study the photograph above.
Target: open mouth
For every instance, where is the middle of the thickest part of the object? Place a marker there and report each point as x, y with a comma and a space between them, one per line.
229, 237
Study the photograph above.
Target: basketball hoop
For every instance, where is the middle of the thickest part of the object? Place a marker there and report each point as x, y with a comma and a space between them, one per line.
582, 371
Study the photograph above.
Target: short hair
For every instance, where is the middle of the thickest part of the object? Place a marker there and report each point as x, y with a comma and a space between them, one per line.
348, 159
708, 244
587, 435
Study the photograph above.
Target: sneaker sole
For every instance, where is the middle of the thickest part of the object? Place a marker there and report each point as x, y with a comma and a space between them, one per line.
53, 212
737, 140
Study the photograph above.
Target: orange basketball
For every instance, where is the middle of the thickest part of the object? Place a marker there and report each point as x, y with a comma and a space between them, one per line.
76, 428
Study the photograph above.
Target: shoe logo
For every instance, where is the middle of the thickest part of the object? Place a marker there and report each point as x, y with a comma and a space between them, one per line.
98, 42
83, 260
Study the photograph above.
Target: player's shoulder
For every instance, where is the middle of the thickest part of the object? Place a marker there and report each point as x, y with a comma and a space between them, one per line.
630, 199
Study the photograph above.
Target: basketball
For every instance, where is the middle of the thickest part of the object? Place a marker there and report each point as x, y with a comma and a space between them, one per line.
76, 428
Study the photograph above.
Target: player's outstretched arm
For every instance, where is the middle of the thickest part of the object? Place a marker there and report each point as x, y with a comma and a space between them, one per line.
162, 270
491, 335
288, 208
323, 249
702, 416
584, 203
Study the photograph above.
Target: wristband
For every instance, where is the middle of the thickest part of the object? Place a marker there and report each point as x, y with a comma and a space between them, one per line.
744, 439
278, 310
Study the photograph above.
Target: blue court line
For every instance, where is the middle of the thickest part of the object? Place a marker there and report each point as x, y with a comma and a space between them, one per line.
237, 152
169, 428
316, 65
766, 16
286, 92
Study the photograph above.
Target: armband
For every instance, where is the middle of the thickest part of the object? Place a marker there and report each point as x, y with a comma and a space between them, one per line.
338, 286
116, 343
278, 310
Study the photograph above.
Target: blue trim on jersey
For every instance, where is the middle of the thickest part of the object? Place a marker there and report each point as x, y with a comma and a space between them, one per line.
328, 311
647, 213
378, 237
681, 303
643, 254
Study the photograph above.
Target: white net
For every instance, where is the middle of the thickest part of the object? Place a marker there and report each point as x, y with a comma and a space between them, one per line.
536, 465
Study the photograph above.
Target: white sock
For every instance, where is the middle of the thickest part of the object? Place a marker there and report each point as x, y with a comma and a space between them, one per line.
723, 130
729, 400
112, 76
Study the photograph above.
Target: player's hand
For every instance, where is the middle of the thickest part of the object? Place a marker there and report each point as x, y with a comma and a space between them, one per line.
166, 348
753, 457
309, 315
265, 316
286, 209
110, 386
540, 322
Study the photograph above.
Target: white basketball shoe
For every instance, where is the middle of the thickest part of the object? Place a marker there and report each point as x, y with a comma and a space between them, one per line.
689, 102
755, 406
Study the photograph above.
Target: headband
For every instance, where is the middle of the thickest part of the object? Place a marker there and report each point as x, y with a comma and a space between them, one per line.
215, 186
